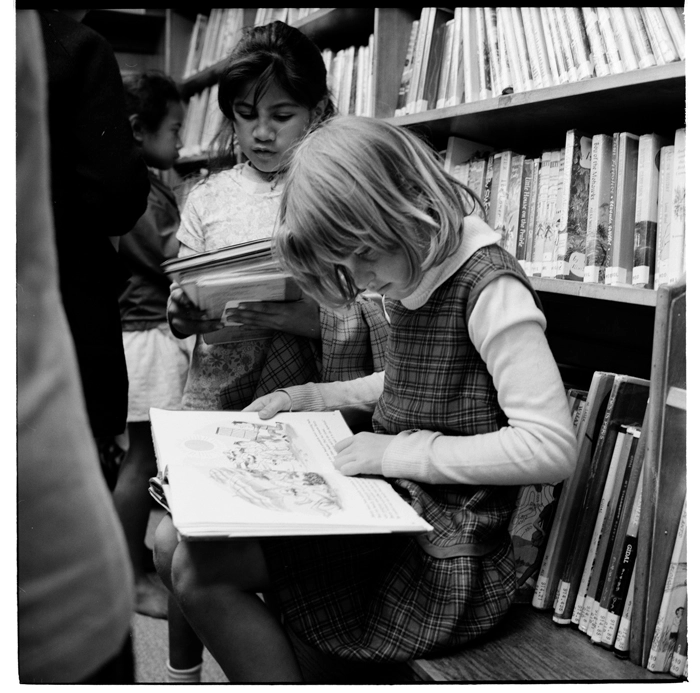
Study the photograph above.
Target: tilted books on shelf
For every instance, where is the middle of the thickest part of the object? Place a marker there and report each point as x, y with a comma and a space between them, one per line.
228, 474
218, 280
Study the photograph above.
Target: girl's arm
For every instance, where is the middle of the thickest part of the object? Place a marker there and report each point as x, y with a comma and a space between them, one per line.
539, 444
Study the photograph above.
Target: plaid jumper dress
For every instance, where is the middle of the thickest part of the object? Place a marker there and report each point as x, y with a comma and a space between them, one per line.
381, 599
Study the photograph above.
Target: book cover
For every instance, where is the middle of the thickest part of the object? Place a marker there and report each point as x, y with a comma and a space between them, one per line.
597, 242
623, 39
532, 215
581, 49
529, 527
640, 38
595, 557
627, 404
562, 531
483, 57
409, 62
523, 214
494, 176
665, 212
595, 40
230, 474
553, 213
622, 231
541, 215
476, 177
622, 563
661, 42
612, 50
470, 56
676, 243
571, 239
679, 661
646, 209
461, 149
672, 603
513, 201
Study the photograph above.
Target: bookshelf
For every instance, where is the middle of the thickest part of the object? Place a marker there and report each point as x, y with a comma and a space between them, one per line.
590, 326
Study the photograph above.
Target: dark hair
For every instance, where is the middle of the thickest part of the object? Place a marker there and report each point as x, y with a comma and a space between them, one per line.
272, 53
148, 95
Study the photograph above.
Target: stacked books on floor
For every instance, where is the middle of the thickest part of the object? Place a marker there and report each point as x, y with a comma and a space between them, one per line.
607, 209
584, 562
472, 53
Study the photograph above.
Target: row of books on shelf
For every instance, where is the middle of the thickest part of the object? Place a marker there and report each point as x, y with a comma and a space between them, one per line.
214, 35
472, 53
577, 543
349, 79
606, 209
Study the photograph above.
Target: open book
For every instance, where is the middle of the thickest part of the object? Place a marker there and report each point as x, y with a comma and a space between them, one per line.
218, 280
230, 474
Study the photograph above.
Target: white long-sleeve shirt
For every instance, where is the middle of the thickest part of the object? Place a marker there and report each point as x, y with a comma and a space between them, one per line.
537, 446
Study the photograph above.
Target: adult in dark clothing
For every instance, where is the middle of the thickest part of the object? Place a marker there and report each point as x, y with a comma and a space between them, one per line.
99, 188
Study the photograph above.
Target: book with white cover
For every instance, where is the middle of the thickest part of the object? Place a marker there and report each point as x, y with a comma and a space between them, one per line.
226, 474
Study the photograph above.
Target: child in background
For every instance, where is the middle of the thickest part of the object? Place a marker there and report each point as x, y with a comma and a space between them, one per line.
470, 405
157, 363
272, 90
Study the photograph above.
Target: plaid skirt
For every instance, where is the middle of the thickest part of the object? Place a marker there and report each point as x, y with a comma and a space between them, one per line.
382, 599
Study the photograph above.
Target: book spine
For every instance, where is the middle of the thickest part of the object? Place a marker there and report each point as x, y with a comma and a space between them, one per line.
675, 26
640, 38
494, 54
521, 44
565, 41
676, 249
420, 58
509, 83
531, 48
612, 50
455, 79
675, 592
513, 207
573, 18
612, 202
532, 215
554, 216
623, 576
521, 237
483, 56
621, 648
679, 661
622, 38
541, 216
663, 234
445, 65
595, 40
499, 219
646, 211
540, 17
407, 69
476, 177
469, 77
571, 245
661, 42
598, 206
488, 185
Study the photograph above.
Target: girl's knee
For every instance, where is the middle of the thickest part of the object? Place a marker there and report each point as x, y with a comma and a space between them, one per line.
165, 541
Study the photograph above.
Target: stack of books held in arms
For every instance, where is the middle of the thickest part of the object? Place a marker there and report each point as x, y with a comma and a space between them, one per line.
219, 280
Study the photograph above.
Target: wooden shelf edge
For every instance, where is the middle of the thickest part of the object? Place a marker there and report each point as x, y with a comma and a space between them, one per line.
604, 292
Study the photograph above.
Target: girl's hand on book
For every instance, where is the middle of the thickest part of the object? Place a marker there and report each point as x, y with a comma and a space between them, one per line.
361, 453
269, 405
185, 318
294, 317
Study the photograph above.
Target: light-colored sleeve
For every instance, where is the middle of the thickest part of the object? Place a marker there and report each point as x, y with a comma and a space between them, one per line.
361, 393
538, 445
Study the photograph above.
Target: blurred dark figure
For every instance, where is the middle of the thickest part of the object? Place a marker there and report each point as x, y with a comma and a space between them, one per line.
75, 595
99, 188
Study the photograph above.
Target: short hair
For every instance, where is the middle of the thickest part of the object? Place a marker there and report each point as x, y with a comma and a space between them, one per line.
356, 182
148, 95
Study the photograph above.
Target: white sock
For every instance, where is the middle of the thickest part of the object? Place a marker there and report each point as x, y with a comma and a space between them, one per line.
192, 675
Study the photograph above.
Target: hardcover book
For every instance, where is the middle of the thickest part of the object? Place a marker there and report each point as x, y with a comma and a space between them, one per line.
230, 474
571, 240
597, 241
